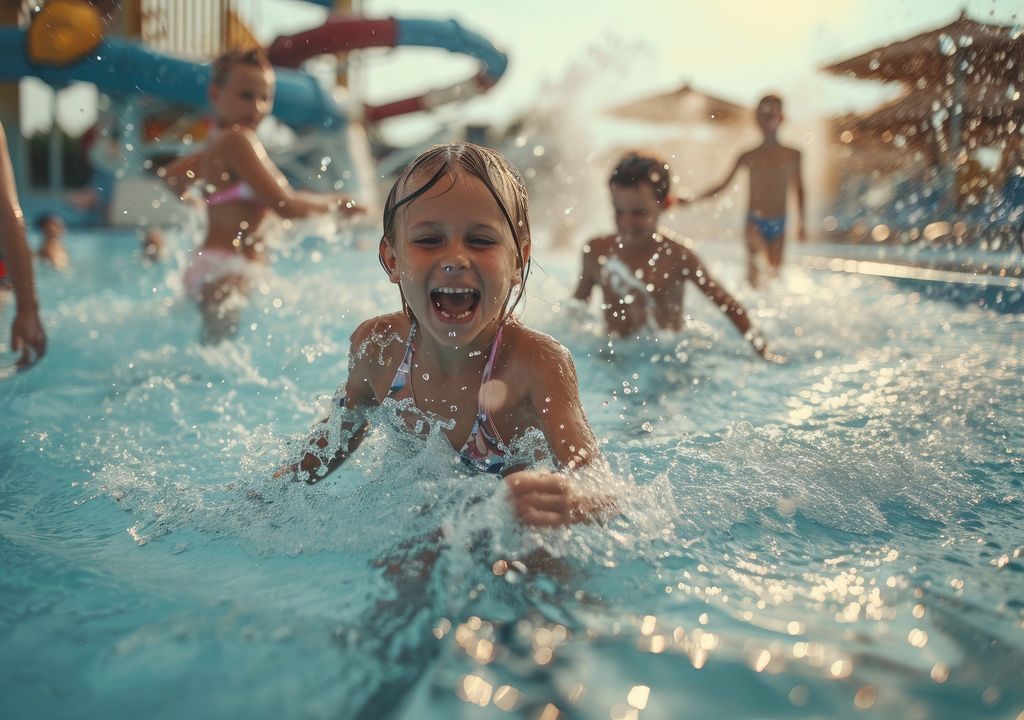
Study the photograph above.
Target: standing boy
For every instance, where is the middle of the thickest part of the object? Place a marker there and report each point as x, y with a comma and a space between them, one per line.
643, 269
773, 169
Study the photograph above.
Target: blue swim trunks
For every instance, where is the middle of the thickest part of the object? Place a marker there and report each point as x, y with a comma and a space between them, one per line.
771, 229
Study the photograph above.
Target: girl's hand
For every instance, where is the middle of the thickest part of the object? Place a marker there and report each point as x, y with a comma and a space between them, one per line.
27, 337
543, 499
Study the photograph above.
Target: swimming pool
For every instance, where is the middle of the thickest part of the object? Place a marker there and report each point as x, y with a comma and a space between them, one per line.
835, 537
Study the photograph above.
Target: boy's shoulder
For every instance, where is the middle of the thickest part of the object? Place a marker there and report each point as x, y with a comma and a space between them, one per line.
674, 241
600, 245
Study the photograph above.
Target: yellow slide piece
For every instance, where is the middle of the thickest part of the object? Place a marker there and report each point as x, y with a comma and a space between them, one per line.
63, 32
240, 37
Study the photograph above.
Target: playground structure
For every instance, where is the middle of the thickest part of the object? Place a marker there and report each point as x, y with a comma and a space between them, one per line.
157, 99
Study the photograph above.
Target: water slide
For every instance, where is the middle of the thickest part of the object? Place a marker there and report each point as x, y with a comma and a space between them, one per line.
344, 34
123, 70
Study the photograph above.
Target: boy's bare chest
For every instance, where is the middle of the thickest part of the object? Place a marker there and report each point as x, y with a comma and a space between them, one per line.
770, 162
650, 270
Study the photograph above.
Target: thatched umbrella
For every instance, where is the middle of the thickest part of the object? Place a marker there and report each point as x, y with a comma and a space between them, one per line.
978, 52
682, 106
931, 109
964, 71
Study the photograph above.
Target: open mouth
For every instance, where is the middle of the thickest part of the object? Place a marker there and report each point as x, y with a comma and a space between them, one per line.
455, 303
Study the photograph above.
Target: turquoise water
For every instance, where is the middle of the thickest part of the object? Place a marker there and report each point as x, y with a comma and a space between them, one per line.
836, 537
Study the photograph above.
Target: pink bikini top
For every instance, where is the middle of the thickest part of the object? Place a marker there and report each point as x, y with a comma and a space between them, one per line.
239, 191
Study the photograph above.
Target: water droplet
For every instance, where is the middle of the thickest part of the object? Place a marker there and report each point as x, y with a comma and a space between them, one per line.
426, 376
647, 427
946, 45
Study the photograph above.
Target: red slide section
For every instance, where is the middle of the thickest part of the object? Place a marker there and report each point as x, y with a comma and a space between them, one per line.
336, 35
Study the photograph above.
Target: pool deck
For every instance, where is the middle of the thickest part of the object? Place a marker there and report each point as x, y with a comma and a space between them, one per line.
993, 280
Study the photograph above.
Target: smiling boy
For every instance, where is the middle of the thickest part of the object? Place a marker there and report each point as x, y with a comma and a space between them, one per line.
642, 271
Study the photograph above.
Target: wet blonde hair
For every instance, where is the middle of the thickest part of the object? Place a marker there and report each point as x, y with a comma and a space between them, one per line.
221, 67
498, 175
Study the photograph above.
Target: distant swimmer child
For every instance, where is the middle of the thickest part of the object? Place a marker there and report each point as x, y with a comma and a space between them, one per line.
773, 169
52, 250
642, 271
457, 244
241, 187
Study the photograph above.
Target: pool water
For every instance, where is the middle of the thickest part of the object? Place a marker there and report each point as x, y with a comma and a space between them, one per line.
839, 536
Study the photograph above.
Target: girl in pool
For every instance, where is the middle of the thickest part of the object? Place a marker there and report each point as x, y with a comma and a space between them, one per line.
242, 187
457, 243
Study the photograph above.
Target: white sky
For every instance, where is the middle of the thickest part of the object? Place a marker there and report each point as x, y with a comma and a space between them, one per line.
738, 49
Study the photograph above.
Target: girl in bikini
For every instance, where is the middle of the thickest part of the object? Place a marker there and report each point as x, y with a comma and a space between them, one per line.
457, 244
241, 188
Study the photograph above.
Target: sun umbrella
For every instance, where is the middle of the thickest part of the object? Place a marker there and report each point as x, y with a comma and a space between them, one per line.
932, 108
683, 106
980, 51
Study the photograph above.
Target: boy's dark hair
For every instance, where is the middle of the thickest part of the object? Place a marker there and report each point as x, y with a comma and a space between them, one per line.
636, 168
221, 67
772, 98
498, 175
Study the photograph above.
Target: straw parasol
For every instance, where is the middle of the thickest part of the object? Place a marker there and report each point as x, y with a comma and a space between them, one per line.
980, 52
966, 74
928, 108
682, 106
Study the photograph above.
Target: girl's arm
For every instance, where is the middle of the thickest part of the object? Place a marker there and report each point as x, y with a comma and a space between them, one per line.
548, 499
179, 174
250, 162
339, 434
27, 335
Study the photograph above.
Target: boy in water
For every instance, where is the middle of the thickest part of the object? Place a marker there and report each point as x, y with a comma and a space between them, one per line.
643, 269
774, 169
52, 250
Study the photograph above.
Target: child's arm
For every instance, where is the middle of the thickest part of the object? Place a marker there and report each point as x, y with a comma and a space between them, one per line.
547, 499
27, 335
740, 161
732, 309
326, 454
179, 174
798, 181
250, 162
588, 274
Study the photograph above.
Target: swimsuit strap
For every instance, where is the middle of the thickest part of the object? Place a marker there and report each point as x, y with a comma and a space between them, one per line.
488, 369
402, 374
239, 191
484, 450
